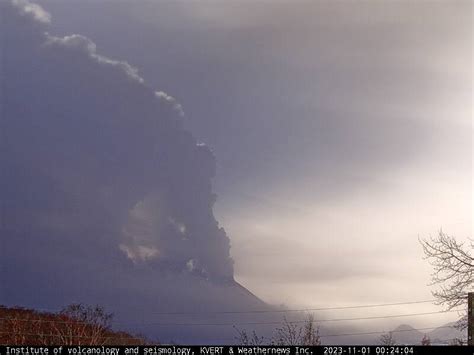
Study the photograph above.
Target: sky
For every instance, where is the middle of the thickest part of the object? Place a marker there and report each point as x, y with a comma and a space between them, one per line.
339, 132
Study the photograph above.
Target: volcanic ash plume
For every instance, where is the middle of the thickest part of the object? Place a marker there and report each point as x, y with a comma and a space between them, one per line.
98, 173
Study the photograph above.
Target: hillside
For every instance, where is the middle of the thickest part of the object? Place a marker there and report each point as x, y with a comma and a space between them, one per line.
76, 325
406, 334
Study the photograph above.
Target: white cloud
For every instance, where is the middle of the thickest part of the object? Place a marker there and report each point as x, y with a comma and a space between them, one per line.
35, 11
85, 45
170, 99
140, 253
73, 42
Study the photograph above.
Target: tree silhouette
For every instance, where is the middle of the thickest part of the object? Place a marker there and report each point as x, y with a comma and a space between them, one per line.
453, 266
387, 339
289, 333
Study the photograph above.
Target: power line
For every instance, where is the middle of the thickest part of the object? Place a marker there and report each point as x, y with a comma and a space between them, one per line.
55, 321
131, 338
292, 322
297, 310
69, 336
72, 322
379, 332
384, 332
391, 331
275, 310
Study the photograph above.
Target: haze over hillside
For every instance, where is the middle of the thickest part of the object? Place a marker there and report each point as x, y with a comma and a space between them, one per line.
406, 334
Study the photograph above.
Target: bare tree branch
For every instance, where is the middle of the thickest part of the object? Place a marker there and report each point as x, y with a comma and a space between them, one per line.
453, 271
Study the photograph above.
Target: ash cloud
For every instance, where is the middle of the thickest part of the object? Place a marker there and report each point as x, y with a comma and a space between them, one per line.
101, 185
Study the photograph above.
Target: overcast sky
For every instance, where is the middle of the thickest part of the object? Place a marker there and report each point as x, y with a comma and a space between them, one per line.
342, 132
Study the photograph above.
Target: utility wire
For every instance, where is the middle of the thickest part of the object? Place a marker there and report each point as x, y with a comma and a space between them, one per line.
377, 332
391, 331
72, 322
70, 336
293, 322
298, 310
275, 310
131, 338
384, 332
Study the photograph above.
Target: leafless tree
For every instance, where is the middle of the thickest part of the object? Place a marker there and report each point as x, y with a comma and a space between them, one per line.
83, 325
243, 338
457, 342
76, 324
16, 332
387, 339
453, 266
311, 332
290, 333
294, 334
426, 340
